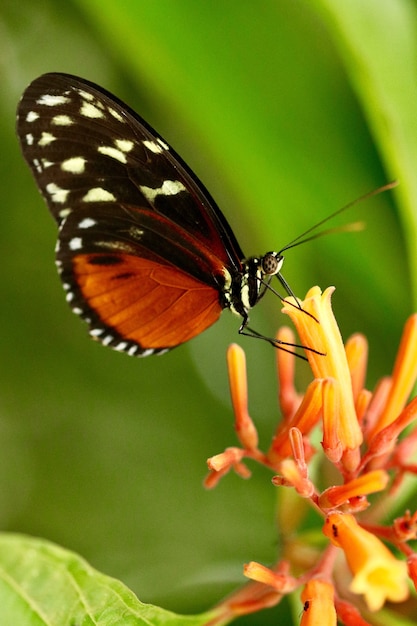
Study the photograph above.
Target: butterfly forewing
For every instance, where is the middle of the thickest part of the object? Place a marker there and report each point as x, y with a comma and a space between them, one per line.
144, 252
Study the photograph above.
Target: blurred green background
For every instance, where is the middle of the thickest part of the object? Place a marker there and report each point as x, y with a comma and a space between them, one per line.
287, 110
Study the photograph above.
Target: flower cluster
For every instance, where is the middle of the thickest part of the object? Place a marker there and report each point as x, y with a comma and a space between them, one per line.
367, 442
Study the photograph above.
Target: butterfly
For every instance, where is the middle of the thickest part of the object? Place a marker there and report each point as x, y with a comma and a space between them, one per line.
145, 255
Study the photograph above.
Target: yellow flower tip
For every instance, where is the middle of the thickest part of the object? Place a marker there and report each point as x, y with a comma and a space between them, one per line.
377, 574
318, 599
381, 582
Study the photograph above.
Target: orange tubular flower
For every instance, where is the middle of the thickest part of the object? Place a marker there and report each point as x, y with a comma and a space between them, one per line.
404, 376
377, 574
277, 580
305, 418
368, 445
318, 609
372, 482
245, 428
324, 336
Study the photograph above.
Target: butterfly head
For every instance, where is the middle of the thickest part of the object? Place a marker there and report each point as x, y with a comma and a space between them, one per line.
250, 284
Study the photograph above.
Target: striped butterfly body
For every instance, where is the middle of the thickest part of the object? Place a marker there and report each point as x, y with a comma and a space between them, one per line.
146, 257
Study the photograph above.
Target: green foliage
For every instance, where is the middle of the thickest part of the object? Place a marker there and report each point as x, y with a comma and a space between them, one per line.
42, 584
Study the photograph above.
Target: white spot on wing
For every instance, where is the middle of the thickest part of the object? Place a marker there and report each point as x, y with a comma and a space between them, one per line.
98, 194
76, 243
114, 153
32, 116
29, 139
37, 165
62, 120
96, 332
63, 214
121, 346
91, 111
52, 101
125, 145
147, 352
46, 139
57, 194
87, 222
153, 146
85, 95
168, 188
74, 165
115, 114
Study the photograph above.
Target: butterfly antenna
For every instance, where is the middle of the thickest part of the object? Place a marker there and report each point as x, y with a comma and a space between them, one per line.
353, 227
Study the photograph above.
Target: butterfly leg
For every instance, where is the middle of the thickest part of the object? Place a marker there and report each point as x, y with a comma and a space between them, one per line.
276, 343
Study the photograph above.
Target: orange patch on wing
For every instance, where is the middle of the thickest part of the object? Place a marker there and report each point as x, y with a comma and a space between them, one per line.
153, 305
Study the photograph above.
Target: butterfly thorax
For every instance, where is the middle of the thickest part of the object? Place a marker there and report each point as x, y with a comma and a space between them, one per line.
248, 285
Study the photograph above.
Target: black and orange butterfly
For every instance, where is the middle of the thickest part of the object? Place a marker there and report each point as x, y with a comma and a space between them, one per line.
145, 255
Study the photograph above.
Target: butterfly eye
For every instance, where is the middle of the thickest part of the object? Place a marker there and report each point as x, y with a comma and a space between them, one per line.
272, 263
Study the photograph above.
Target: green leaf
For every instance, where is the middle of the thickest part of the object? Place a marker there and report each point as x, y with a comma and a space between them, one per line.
42, 584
